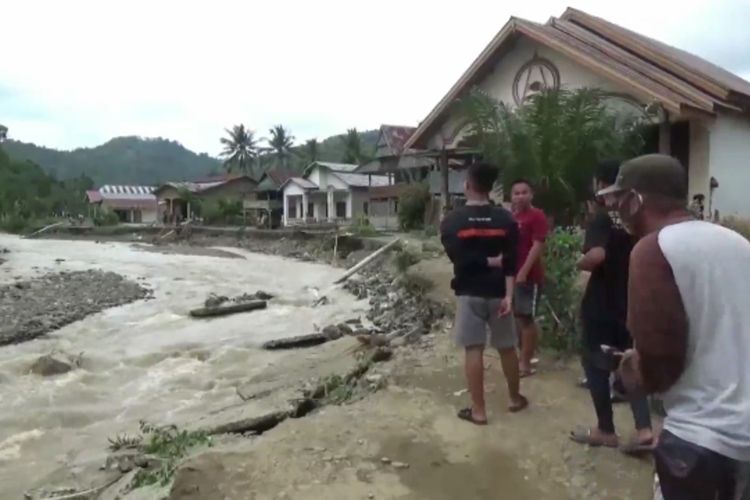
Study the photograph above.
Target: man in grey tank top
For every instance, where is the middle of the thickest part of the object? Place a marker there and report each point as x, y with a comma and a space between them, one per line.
689, 315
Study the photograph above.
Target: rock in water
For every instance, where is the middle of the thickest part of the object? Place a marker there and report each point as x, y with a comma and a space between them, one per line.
49, 365
332, 332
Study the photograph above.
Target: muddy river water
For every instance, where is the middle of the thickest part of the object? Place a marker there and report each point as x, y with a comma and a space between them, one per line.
146, 360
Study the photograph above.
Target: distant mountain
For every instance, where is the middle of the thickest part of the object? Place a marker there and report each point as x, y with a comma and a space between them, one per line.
122, 160
147, 161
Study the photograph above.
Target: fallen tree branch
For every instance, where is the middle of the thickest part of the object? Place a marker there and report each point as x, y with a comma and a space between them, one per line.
207, 312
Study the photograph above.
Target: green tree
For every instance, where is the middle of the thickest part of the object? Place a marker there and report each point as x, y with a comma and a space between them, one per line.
240, 150
353, 147
281, 143
3, 132
311, 152
555, 140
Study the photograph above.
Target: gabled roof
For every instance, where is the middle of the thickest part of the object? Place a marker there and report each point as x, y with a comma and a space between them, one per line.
201, 187
362, 180
333, 167
395, 137
273, 178
303, 183
651, 70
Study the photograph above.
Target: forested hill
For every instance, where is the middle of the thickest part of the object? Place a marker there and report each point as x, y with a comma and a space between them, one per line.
137, 160
122, 160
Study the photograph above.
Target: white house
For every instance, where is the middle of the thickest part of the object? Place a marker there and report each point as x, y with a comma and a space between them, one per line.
703, 110
328, 192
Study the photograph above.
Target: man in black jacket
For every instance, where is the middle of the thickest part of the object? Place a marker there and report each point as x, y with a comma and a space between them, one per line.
481, 240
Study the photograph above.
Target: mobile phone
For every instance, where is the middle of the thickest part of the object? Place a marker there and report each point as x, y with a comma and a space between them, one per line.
613, 351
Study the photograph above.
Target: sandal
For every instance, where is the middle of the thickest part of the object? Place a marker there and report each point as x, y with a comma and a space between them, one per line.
466, 414
516, 407
637, 448
584, 436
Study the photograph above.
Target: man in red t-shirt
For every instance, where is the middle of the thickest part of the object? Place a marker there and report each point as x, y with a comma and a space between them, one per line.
532, 231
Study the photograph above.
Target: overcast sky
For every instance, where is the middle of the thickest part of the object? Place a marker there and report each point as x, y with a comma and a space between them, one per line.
76, 73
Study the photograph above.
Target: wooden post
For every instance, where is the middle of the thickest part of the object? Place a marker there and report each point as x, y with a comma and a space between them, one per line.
665, 135
445, 176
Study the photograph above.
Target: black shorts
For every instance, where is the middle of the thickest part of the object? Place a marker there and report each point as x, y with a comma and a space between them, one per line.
526, 299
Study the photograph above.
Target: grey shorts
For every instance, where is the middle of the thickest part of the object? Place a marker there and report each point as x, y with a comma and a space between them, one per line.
477, 323
526, 299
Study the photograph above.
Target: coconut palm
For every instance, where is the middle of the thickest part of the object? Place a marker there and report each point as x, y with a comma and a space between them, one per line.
554, 140
240, 150
281, 144
352, 147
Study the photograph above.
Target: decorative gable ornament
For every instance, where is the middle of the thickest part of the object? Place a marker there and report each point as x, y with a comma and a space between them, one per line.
535, 75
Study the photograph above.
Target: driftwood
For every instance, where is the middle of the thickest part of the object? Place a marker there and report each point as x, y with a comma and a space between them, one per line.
207, 312
258, 425
44, 229
310, 340
366, 261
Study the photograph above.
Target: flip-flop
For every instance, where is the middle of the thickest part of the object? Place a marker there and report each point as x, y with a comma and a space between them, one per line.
636, 448
583, 436
527, 373
467, 415
515, 408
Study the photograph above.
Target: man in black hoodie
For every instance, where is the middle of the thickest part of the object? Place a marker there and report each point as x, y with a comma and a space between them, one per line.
481, 240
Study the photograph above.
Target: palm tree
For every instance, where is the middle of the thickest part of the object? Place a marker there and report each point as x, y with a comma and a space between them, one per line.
352, 146
240, 150
281, 143
554, 140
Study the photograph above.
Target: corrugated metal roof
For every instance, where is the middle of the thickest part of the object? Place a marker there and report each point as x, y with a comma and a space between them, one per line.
93, 196
111, 189
337, 167
303, 183
362, 180
396, 136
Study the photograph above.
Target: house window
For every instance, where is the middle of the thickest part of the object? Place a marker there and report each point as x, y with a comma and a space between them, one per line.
366, 208
341, 210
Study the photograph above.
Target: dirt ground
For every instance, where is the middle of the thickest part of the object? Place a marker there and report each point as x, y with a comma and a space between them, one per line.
404, 442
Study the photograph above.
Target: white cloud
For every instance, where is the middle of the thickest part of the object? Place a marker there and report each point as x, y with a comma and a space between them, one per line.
76, 73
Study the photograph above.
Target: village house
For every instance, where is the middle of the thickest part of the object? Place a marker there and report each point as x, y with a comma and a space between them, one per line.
266, 206
328, 192
131, 204
703, 111
174, 198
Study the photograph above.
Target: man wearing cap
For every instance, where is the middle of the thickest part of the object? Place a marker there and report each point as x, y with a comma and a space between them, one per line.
689, 315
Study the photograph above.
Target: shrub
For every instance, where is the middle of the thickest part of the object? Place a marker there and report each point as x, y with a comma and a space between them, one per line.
559, 310
106, 217
742, 226
405, 258
362, 227
412, 205
14, 223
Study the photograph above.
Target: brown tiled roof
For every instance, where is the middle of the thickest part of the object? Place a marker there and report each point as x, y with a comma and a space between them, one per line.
651, 70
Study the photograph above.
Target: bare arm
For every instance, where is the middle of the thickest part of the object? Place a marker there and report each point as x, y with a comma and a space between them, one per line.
656, 318
592, 259
534, 254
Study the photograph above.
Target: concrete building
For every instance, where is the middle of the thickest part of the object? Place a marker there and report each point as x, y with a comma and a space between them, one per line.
328, 192
131, 204
703, 110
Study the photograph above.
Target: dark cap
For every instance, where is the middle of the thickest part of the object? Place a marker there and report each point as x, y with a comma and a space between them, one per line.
651, 174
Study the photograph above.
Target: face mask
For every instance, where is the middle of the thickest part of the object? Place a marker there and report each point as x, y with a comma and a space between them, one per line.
628, 206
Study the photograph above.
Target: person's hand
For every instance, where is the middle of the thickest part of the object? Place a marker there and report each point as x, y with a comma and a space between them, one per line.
522, 276
630, 371
506, 307
496, 261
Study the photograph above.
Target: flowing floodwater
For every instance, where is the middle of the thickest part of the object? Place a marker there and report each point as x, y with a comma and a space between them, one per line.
146, 360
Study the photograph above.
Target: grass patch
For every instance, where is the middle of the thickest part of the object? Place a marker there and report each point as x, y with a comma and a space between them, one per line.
405, 258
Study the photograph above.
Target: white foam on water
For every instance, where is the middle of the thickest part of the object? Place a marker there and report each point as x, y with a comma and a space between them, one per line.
147, 360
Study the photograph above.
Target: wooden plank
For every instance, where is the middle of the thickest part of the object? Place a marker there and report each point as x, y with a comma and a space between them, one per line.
208, 312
